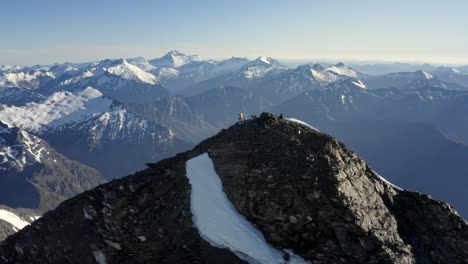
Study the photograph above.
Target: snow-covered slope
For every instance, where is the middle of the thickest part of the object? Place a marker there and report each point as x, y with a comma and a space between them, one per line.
293, 82
57, 109
453, 75
173, 59
117, 125
193, 72
249, 75
141, 63
258, 68
66, 68
229, 65
115, 142
6, 68
105, 70
25, 79
19, 152
408, 80
341, 70
117, 79
218, 221
13, 220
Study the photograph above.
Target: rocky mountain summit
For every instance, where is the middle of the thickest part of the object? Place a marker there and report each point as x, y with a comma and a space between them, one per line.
300, 194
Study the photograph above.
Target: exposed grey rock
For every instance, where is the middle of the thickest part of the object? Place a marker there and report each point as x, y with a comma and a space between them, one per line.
33, 175
305, 191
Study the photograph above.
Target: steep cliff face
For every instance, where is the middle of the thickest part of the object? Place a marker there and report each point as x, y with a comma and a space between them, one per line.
301, 193
34, 175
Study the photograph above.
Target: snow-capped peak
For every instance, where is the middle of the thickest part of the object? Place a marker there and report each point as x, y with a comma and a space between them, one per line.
19, 148
60, 69
341, 69
25, 79
319, 75
317, 67
174, 59
131, 72
141, 63
264, 61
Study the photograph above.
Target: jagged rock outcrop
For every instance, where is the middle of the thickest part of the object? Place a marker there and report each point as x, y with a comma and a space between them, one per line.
34, 175
304, 190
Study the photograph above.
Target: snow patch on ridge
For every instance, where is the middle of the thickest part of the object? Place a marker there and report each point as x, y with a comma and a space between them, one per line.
427, 75
13, 219
343, 70
218, 221
302, 123
131, 72
389, 183
360, 84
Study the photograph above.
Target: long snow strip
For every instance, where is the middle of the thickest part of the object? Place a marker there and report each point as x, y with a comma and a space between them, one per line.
218, 221
387, 182
302, 123
13, 219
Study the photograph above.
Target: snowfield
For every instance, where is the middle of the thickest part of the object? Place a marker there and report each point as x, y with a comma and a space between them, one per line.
13, 219
57, 109
218, 221
131, 72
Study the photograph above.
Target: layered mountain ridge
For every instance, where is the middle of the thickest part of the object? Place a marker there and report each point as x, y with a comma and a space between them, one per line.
308, 196
115, 115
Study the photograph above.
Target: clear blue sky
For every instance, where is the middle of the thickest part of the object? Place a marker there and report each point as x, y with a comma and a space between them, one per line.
58, 30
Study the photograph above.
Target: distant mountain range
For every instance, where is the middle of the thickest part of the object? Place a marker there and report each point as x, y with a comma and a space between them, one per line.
106, 119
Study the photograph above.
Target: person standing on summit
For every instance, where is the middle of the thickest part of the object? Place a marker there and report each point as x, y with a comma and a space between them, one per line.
241, 117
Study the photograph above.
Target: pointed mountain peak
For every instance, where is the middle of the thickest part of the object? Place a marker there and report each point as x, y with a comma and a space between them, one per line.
264, 61
111, 62
174, 59
174, 53
317, 67
340, 64
122, 68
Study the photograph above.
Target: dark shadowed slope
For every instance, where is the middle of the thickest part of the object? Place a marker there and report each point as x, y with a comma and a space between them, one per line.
302, 189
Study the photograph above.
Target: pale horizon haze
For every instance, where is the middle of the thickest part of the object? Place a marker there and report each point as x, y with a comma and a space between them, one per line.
46, 32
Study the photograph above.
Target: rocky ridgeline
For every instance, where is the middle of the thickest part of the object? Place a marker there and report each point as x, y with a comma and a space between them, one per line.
304, 190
